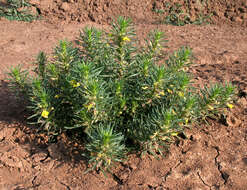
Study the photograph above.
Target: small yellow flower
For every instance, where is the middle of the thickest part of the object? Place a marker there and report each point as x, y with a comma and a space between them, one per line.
90, 106
186, 121
126, 39
45, 114
109, 161
157, 95
181, 94
99, 155
230, 105
210, 107
170, 91
156, 84
57, 96
74, 83
174, 134
145, 87
162, 93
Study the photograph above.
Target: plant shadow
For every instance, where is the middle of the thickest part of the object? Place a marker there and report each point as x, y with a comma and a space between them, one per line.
12, 108
13, 114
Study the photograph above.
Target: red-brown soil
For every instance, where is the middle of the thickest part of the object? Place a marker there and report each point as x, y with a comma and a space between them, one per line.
102, 11
213, 157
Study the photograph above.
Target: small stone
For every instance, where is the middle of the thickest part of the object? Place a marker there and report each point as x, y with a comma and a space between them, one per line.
244, 161
54, 152
124, 176
65, 6
34, 2
133, 166
238, 19
39, 156
153, 181
242, 101
232, 121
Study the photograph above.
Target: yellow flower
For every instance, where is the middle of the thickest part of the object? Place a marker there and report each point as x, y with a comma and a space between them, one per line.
126, 39
186, 121
210, 107
74, 83
45, 114
181, 94
57, 96
157, 95
174, 134
156, 84
109, 161
170, 91
145, 87
162, 93
230, 105
90, 105
99, 155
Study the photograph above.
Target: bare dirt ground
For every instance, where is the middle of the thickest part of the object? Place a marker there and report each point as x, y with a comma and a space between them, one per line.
214, 157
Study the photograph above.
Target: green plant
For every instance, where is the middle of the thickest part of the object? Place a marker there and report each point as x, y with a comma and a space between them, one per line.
176, 16
110, 92
16, 10
202, 19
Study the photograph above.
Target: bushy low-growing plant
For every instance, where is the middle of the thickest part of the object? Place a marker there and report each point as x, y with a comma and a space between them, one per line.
175, 15
17, 10
111, 92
